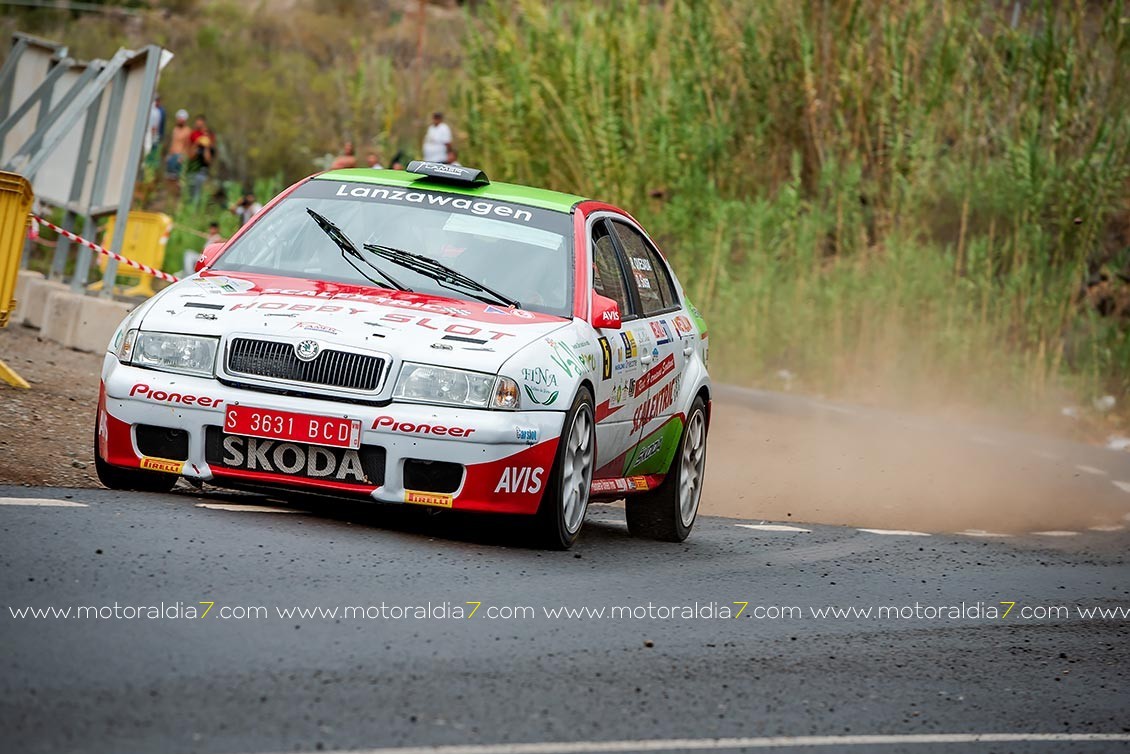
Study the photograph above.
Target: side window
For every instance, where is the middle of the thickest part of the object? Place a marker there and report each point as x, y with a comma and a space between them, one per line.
652, 280
607, 274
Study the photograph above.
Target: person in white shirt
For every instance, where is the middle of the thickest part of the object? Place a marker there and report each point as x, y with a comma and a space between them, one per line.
246, 208
437, 140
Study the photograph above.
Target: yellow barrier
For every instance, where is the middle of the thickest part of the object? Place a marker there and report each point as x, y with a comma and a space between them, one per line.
15, 206
147, 235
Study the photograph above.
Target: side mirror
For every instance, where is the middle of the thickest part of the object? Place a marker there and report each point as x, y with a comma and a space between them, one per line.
605, 313
208, 256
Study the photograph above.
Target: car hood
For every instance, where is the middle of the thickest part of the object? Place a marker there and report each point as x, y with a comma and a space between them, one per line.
407, 326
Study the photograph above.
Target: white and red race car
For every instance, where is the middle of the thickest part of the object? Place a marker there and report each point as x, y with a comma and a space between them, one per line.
423, 337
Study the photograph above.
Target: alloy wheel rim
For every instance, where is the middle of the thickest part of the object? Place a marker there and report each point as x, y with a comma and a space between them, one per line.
690, 473
577, 477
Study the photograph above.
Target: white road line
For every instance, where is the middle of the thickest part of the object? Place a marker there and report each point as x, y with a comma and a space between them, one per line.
1124, 486
981, 533
43, 502
896, 532
1107, 528
766, 742
1090, 470
245, 508
773, 527
1056, 533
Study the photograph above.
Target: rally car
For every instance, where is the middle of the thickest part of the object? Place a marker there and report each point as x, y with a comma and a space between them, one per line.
422, 337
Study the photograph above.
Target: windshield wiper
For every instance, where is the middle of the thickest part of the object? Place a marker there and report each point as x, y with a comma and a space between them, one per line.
349, 252
441, 273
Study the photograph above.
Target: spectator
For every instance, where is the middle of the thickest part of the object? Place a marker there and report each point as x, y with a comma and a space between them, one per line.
203, 145
160, 110
373, 160
246, 208
214, 235
178, 147
452, 157
437, 140
398, 161
347, 159
155, 134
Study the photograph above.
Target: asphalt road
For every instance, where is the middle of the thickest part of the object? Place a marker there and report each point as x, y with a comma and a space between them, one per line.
272, 682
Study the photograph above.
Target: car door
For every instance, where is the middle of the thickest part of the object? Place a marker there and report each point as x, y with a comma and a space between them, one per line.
662, 356
616, 396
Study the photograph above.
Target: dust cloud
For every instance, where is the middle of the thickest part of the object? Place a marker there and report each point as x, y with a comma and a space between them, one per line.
858, 471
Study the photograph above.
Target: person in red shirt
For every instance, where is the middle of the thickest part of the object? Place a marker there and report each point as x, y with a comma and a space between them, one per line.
203, 151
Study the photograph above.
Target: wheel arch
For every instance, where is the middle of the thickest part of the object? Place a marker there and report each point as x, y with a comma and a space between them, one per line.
704, 393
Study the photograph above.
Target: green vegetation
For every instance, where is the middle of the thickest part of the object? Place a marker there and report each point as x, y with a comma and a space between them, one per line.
926, 198
873, 196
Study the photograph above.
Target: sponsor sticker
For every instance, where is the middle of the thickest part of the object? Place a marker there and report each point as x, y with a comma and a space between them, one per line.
434, 499
622, 391
315, 327
292, 459
165, 465
523, 480
149, 393
621, 484
222, 285
408, 428
650, 450
657, 403
572, 363
606, 355
526, 434
655, 374
629, 344
683, 325
540, 385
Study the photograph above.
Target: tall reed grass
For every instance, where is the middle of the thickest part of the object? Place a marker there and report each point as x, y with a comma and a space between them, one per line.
873, 196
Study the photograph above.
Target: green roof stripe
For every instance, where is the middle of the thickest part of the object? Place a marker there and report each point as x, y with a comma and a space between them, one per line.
503, 192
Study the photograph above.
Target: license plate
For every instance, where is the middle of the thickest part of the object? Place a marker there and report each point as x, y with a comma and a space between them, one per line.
273, 424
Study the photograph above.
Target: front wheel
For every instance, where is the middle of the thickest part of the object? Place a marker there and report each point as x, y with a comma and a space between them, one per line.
669, 512
566, 498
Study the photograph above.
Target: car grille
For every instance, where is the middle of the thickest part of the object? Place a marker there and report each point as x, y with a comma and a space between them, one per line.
277, 361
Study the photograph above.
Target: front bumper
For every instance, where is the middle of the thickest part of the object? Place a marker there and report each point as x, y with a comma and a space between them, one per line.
506, 456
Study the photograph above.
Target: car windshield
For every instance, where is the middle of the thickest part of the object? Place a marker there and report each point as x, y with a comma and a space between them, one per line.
522, 253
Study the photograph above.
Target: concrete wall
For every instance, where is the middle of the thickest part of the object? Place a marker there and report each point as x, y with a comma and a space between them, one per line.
75, 320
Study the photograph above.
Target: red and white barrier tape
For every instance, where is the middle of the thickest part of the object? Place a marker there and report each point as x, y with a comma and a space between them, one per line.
102, 250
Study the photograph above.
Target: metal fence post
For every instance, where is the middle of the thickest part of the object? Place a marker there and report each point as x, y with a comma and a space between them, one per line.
133, 162
101, 173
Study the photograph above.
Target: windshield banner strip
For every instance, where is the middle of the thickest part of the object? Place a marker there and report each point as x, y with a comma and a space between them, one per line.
464, 205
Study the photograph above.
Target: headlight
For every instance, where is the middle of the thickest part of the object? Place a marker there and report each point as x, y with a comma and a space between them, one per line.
188, 354
455, 387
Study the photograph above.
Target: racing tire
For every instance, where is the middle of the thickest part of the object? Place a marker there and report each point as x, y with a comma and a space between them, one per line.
669, 512
138, 480
566, 498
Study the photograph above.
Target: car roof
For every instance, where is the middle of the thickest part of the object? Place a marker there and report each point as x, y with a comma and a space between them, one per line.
503, 192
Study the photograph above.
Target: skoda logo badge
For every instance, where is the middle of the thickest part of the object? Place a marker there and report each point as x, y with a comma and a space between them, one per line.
307, 350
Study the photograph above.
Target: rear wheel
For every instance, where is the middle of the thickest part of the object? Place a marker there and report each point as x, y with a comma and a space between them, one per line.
117, 478
668, 513
566, 498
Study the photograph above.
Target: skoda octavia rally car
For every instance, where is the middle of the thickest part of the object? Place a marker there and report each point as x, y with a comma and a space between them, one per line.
422, 337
